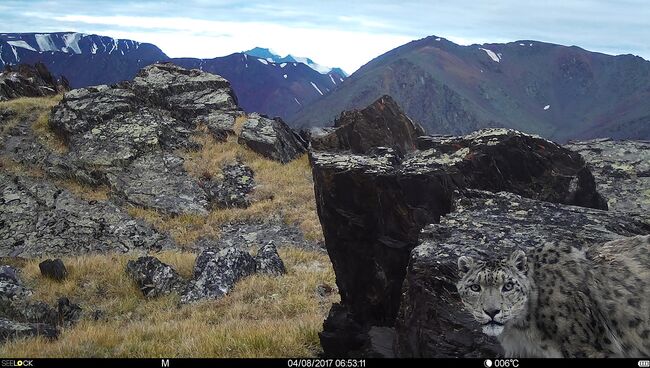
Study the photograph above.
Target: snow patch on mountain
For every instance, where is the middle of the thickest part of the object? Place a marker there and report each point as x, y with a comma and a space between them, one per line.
492, 54
21, 44
45, 42
270, 56
316, 87
71, 41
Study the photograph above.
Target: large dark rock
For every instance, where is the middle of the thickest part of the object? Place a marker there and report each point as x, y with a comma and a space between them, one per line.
53, 268
153, 277
39, 219
372, 207
271, 138
126, 135
29, 81
382, 124
622, 171
216, 272
432, 322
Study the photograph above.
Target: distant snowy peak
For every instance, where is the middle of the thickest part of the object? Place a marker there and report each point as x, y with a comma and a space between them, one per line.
14, 45
270, 56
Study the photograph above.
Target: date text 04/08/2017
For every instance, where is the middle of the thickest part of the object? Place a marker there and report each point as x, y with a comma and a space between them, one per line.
326, 363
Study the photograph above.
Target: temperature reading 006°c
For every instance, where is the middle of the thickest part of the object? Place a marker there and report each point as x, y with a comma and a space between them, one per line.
501, 363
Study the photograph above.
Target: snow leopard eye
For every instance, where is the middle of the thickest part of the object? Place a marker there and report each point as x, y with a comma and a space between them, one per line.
475, 288
508, 286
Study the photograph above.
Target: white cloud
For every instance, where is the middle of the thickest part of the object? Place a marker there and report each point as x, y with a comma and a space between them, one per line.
187, 37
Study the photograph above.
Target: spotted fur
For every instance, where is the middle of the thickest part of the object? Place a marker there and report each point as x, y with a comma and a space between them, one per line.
559, 301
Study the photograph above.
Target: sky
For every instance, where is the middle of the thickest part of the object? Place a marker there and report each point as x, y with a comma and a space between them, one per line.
344, 34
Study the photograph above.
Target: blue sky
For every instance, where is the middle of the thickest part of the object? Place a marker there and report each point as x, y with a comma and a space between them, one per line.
339, 33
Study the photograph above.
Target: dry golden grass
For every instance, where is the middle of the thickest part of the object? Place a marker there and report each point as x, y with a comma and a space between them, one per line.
263, 316
283, 192
89, 193
36, 110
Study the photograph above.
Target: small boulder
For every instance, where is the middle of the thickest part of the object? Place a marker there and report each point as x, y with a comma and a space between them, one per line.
234, 189
153, 277
54, 269
69, 313
271, 138
11, 329
268, 260
216, 272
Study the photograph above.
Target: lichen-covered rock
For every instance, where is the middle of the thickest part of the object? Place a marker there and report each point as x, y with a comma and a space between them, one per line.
160, 182
11, 288
216, 272
125, 135
11, 330
40, 219
29, 81
188, 94
268, 260
53, 268
25, 310
271, 138
431, 321
246, 235
372, 207
233, 190
153, 277
381, 124
622, 171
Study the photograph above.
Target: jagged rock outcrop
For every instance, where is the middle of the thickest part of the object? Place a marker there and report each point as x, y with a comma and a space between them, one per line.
268, 260
53, 268
29, 81
431, 322
40, 219
382, 124
622, 171
124, 135
233, 190
372, 208
153, 277
216, 272
271, 138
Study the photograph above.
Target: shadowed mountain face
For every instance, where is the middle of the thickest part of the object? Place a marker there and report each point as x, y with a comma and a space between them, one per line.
271, 88
555, 91
85, 60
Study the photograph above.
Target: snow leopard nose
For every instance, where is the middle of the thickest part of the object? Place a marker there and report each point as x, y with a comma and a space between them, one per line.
492, 312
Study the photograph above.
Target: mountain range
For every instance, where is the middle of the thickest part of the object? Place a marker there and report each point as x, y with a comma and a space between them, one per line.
268, 87
558, 92
555, 91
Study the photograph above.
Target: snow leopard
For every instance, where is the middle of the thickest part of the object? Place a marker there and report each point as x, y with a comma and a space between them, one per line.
563, 301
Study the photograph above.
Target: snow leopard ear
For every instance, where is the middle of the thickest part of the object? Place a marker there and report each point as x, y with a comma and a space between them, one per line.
464, 265
519, 261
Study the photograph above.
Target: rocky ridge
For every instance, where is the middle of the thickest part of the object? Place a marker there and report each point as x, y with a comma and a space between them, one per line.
373, 206
29, 81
